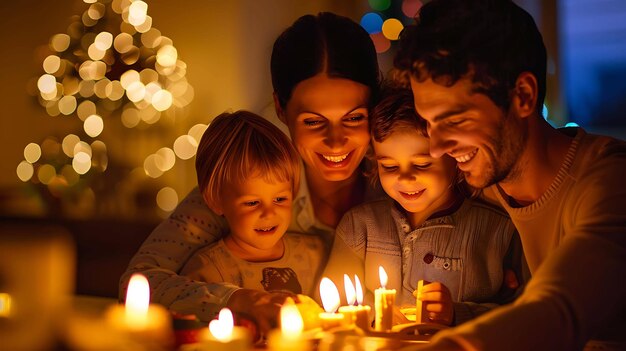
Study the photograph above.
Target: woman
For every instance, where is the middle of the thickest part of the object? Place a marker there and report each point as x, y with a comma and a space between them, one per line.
324, 73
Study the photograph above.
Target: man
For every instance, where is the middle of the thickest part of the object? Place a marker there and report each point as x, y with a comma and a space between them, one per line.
477, 70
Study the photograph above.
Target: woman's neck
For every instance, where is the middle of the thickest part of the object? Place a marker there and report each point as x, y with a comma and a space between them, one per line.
252, 254
332, 199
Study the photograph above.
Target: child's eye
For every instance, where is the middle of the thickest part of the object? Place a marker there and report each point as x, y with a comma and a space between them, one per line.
281, 199
422, 165
250, 203
389, 168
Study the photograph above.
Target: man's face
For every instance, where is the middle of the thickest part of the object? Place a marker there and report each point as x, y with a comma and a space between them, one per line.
471, 128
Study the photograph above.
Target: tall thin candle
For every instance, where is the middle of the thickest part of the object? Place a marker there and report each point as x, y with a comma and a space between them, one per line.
384, 300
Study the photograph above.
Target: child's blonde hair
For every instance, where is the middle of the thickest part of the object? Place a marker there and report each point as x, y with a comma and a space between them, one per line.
240, 145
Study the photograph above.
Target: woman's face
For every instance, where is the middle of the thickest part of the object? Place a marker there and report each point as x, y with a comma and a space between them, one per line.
327, 120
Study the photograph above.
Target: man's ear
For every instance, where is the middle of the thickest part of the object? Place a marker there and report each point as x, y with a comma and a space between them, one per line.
525, 94
216, 208
279, 110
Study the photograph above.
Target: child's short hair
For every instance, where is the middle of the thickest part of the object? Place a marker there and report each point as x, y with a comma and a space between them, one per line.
240, 145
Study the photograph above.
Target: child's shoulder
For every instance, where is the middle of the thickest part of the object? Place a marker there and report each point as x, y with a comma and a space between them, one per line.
372, 207
306, 239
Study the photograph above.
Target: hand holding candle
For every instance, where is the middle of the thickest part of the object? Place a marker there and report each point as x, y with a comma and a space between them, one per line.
330, 301
384, 300
355, 315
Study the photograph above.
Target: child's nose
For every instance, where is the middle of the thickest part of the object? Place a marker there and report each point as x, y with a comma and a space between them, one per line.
267, 210
407, 176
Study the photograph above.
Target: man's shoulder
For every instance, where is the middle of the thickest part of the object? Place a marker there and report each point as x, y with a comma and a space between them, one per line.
599, 155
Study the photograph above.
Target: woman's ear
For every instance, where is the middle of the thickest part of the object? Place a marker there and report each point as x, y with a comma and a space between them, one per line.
525, 94
279, 110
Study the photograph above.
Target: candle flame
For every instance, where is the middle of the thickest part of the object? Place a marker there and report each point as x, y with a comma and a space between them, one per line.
330, 295
350, 293
291, 323
137, 300
222, 327
383, 276
359, 290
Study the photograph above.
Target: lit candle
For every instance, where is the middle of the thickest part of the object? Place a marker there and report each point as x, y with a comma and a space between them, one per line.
289, 336
149, 323
355, 315
221, 335
384, 300
330, 300
420, 314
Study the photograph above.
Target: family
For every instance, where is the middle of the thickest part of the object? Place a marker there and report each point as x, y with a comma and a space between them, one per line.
444, 171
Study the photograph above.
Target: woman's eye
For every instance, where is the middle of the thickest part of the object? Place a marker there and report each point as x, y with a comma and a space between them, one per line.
312, 122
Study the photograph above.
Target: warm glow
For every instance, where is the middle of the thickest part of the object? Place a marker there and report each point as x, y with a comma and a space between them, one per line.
93, 125
137, 301
185, 147
52, 64
47, 84
383, 276
45, 173
95, 53
5, 305
67, 105
32, 152
162, 100
197, 131
165, 159
392, 28
222, 327
85, 109
69, 143
103, 40
150, 166
359, 290
350, 293
60, 42
129, 77
291, 323
136, 91
81, 162
167, 56
25, 171
167, 199
137, 13
329, 295
123, 42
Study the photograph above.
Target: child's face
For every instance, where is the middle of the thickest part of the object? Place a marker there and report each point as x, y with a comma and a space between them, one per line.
409, 175
257, 212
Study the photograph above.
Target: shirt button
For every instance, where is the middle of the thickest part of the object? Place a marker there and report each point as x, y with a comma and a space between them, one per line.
428, 258
446, 265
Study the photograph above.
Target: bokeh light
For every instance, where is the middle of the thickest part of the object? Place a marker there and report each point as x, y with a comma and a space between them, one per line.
162, 100
151, 168
60, 42
165, 159
25, 171
410, 8
185, 147
379, 5
104, 40
197, 131
381, 43
69, 143
32, 152
167, 199
67, 105
392, 28
81, 162
93, 125
52, 64
372, 22
45, 173
47, 84
167, 56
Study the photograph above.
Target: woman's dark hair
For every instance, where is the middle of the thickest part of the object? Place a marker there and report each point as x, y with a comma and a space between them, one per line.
327, 43
491, 40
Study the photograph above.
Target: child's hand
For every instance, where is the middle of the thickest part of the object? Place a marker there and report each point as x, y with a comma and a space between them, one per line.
437, 303
259, 306
398, 316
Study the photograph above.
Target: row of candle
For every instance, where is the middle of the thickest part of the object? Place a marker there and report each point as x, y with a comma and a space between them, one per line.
153, 321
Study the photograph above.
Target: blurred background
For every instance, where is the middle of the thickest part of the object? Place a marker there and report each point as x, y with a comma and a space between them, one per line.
102, 103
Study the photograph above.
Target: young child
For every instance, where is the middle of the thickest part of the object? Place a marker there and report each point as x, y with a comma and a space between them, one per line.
426, 229
248, 172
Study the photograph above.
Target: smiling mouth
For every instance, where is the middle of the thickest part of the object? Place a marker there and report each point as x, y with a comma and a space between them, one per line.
465, 157
335, 161
266, 230
412, 195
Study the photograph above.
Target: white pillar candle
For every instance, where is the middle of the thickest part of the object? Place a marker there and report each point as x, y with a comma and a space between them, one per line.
355, 315
221, 335
330, 301
289, 337
140, 320
384, 300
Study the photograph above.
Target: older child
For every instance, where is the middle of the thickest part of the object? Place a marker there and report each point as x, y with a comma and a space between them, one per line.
248, 172
426, 229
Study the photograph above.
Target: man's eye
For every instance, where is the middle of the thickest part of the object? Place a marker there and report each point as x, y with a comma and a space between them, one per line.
354, 119
454, 122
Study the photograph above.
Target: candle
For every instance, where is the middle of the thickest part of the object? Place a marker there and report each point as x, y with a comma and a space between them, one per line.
355, 315
330, 300
289, 336
221, 335
140, 320
384, 300
420, 314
